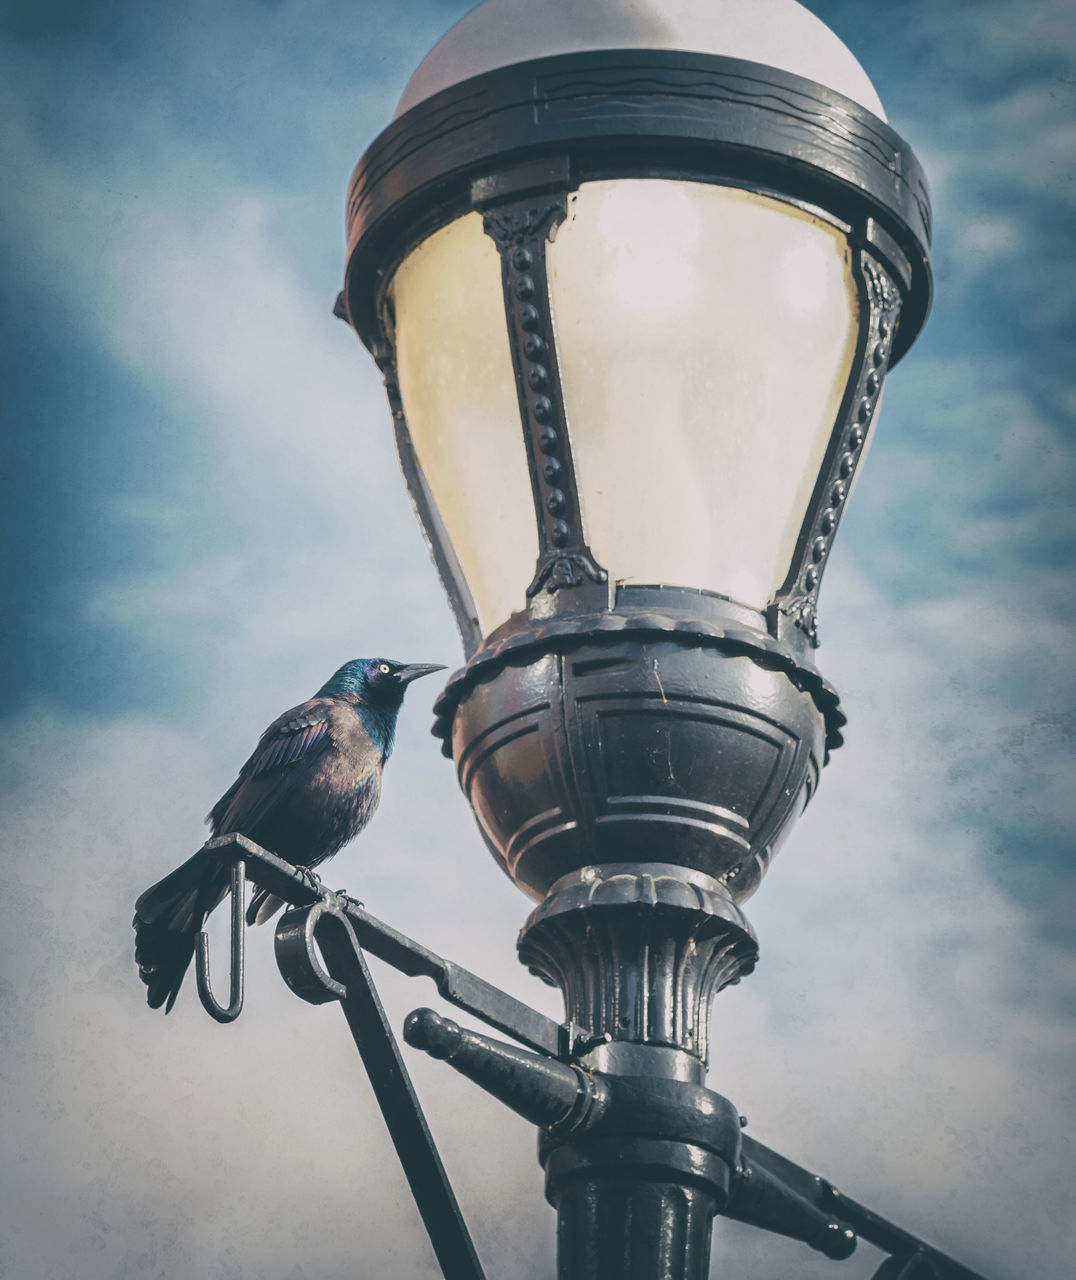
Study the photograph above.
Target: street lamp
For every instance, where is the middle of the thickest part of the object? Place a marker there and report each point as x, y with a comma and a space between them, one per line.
634, 275
634, 308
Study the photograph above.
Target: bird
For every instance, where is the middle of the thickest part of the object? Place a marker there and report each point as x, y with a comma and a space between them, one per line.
311, 785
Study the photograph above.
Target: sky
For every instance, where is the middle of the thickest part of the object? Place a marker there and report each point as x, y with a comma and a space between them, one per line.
203, 517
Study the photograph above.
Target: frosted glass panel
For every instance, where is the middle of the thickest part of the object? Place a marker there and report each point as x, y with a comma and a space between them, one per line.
459, 395
705, 337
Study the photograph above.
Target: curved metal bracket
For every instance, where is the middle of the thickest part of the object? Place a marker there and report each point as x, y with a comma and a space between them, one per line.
237, 946
297, 956
911, 1258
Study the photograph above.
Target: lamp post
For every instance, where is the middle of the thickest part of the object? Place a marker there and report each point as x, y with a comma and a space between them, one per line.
634, 275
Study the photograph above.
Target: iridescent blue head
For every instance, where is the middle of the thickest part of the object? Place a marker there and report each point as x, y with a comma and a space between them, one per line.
377, 686
377, 681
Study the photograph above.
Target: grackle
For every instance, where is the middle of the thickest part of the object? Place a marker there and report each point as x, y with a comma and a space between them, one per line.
311, 785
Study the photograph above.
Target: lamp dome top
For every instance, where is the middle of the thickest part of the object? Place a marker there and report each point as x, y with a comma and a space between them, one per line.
778, 33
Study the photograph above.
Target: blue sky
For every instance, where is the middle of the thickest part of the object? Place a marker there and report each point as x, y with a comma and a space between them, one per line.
203, 517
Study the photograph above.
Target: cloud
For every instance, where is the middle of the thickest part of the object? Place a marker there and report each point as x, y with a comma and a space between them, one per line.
908, 1021
143, 1147
904, 1005
269, 536
909, 1031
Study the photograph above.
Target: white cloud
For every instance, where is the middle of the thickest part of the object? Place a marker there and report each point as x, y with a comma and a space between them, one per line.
903, 1007
903, 1033
145, 1146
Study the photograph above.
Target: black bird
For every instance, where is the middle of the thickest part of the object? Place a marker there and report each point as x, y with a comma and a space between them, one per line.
311, 785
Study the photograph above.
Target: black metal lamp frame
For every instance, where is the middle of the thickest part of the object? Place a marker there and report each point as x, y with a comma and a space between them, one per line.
320, 945
513, 143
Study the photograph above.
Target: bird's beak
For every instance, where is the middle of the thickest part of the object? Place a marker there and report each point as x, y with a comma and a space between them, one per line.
415, 669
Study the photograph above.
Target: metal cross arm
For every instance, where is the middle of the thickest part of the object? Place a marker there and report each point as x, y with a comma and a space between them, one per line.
759, 1187
592, 1121
321, 959
460, 987
912, 1258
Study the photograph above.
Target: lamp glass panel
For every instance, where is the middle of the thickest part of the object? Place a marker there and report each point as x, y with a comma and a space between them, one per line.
705, 336
459, 395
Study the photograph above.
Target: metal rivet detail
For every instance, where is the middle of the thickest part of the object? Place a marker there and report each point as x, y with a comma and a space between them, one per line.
800, 606
521, 229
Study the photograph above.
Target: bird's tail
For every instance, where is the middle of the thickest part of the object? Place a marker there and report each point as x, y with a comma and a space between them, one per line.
168, 918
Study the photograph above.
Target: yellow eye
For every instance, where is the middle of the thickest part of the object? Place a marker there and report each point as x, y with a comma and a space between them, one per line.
384, 668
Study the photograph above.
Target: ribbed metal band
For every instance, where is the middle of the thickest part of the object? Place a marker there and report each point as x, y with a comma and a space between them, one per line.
639, 113
675, 613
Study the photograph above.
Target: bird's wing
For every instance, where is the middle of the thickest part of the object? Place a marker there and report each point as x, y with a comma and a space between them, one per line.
299, 735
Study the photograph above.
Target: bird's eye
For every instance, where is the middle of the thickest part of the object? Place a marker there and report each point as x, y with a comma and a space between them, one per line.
384, 668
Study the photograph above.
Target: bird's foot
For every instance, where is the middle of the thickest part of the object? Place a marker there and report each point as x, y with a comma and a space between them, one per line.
313, 881
346, 900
